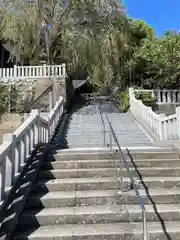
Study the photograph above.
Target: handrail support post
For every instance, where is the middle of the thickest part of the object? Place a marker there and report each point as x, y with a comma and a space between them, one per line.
145, 231
121, 174
110, 139
104, 132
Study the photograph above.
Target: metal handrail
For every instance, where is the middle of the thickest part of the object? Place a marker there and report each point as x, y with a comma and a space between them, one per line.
102, 120
123, 161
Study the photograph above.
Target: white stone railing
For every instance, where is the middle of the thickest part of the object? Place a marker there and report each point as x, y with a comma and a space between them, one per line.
169, 127
17, 147
164, 127
167, 96
24, 72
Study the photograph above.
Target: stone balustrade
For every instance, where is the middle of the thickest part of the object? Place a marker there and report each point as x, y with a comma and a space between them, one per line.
17, 147
167, 96
163, 95
27, 72
170, 127
164, 127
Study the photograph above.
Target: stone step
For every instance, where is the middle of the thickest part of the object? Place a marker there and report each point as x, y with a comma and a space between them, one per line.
82, 143
82, 184
98, 214
92, 132
89, 144
101, 144
75, 155
99, 124
113, 231
95, 123
95, 137
67, 155
99, 128
81, 140
102, 197
75, 139
72, 145
108, 172
83, 132
110, 163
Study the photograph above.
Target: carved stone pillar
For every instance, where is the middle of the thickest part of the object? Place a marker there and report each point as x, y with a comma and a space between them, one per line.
59, 89
158, 96
164, 96
178, 96
174, 96
169, 94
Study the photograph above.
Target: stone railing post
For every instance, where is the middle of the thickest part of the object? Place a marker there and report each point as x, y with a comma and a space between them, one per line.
15, 70
178, 121
169, 96
131, 95
131, 92
174, 97
10, 165
164, 96
158, 95
37, 134
51, 100
162, 129
178, 96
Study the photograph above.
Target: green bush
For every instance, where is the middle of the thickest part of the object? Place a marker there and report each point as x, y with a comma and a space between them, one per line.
124, 101
147, 99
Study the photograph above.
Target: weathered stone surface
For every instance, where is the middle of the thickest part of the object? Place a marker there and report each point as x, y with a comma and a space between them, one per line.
77, 196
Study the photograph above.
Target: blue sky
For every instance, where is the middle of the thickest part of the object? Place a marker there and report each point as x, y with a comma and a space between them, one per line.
160, 14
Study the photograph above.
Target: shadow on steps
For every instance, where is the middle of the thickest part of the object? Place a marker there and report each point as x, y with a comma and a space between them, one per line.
150, 198
18, 195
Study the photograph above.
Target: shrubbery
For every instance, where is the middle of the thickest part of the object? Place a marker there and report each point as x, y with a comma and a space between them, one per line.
124, 101
11, 100
148, 99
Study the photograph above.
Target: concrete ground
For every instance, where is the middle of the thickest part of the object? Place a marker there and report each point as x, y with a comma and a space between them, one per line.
167, 109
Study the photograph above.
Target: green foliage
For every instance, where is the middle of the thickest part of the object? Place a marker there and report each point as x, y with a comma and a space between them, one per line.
156, 62
94, 36
3, 100
124, 101
11, 100
141, 30
148, 99
86, 33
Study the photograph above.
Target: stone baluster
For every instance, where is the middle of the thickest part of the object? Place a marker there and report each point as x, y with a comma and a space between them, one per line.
178, 121
158, 96
161, 131
178, 96
169, 94
164, 96
174, 96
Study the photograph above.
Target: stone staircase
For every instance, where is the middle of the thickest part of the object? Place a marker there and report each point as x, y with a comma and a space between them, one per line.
85, 129
77, 196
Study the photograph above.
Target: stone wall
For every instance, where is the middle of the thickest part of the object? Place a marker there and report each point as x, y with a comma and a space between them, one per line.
63, 87
70, 92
